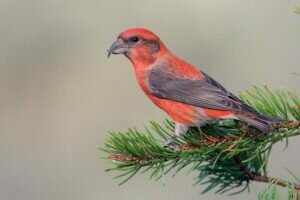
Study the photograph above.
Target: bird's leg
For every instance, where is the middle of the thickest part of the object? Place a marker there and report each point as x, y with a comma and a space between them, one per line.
179, 129
170, 145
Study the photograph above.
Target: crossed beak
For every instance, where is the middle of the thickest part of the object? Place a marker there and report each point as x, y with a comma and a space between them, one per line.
117, 47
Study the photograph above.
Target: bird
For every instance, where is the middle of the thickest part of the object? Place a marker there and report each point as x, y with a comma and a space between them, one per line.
188, 95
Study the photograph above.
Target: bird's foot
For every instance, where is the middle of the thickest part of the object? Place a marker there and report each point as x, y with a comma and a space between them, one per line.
173, 147
170, 145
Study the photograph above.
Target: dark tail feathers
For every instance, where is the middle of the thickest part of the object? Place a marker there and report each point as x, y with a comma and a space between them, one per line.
262, 122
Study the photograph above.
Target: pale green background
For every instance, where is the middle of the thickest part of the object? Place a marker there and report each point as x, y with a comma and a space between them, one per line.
60, 95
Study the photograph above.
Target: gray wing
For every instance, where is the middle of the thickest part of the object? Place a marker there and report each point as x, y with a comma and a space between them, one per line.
205, 93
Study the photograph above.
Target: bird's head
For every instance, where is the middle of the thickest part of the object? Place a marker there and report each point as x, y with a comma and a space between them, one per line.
139, 45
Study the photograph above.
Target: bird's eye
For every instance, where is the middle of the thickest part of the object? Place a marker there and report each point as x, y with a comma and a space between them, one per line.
134, 39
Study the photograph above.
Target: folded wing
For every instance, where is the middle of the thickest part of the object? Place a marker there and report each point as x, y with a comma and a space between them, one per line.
204, 93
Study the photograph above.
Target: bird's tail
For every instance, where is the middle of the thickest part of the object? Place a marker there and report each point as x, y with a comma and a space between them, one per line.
262, 122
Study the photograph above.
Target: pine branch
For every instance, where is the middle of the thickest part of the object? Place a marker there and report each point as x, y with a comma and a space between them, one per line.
254, 176
228, 155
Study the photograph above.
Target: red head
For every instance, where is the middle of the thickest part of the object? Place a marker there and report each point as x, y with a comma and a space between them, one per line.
139, 45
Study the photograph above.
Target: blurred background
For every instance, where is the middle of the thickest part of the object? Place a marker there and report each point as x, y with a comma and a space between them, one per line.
60, 95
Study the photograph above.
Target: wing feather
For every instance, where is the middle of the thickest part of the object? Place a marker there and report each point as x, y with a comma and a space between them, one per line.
204, 93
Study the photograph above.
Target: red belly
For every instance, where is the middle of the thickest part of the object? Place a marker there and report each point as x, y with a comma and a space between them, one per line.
217, 113
188, 115
181, 113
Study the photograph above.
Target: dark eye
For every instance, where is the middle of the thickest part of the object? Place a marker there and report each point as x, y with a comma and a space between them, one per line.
134, 39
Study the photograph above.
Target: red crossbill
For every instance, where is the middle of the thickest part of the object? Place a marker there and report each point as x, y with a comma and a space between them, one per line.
189, 96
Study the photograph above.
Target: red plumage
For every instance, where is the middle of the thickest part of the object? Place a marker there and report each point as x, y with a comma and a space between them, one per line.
180, 112
189, 96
